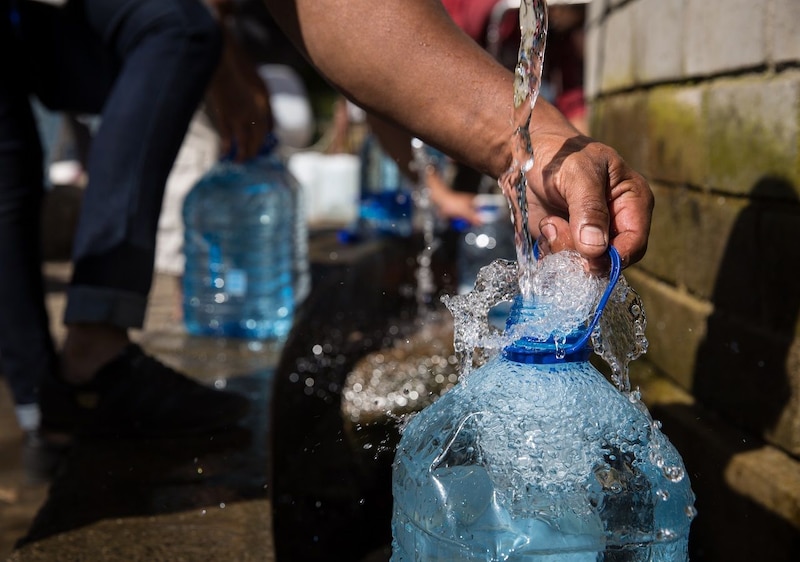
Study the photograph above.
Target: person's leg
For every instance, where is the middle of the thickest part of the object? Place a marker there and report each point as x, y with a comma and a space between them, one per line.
162, 54
26, 346
67, 159
167, 52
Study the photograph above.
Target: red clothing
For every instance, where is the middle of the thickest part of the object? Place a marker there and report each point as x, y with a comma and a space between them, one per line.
471, 15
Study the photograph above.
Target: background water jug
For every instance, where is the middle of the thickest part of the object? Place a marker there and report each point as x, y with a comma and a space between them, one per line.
535, 456
385, 205
246, 249
481, 244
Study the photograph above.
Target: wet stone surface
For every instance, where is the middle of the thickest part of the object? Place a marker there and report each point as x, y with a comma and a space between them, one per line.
293, 482
203, 497
332, 476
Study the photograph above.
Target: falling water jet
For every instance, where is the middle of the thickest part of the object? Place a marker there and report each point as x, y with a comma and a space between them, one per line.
619, 339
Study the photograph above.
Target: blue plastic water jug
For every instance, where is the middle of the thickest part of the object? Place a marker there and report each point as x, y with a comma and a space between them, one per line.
245, 254
385, 206
535, 456
481, 244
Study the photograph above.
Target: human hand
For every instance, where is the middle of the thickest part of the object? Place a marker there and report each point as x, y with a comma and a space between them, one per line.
449, 202
239, 103
408, 81
598, 197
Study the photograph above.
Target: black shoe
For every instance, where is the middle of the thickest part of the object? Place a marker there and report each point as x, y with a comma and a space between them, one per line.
137, 396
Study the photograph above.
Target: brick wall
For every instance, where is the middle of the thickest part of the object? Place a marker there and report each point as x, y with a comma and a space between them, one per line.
703, 98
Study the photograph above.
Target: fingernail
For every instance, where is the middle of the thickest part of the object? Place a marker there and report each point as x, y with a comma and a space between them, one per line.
550, 232
592, 236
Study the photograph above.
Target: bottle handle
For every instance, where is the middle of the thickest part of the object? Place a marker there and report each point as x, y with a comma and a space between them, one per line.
613, 277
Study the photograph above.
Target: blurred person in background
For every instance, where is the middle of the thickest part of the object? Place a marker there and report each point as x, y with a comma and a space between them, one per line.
258, 50
142, 66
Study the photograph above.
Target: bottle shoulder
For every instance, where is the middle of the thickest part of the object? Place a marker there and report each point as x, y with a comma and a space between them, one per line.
507, 389
230, 195
253, 178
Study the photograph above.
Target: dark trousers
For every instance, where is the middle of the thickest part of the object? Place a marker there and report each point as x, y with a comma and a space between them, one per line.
143, 66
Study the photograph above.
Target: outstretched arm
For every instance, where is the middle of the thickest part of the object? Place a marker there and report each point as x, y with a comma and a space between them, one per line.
408, 62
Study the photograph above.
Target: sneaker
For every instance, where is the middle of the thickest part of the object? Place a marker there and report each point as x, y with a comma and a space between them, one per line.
135, 395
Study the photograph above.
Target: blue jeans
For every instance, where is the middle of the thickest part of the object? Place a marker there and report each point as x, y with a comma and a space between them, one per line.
143, 66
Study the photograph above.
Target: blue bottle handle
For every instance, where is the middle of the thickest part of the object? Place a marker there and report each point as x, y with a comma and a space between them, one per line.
613, 277
576, 350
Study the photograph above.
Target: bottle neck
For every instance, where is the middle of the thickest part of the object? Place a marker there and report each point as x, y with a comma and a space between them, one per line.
527, 349
268, 146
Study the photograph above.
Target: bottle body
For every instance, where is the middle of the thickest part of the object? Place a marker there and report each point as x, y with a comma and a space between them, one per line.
538, 462
385, 206
241, 251
271, 168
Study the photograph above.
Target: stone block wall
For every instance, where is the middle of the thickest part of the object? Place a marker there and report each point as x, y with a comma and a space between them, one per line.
703, 98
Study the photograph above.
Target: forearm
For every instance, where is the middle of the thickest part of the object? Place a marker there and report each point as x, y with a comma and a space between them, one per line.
408, 62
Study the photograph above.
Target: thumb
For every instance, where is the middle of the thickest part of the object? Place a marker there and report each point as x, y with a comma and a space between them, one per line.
589, 215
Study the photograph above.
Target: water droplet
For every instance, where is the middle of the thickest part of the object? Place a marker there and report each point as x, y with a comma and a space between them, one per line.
674, 473
665, 535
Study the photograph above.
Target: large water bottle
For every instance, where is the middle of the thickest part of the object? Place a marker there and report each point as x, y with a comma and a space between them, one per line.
535, 456
246, 249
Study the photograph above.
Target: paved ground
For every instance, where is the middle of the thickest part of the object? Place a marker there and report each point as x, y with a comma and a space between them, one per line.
150, 500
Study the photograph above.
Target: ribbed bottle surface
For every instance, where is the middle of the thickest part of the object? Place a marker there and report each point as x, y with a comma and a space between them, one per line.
240, 246
538, 462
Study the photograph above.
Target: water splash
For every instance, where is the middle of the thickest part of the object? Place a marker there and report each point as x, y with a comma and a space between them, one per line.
416, 368
402, 378
473, 334
620, 335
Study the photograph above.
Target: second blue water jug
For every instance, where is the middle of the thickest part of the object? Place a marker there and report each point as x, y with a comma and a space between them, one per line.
245, 248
